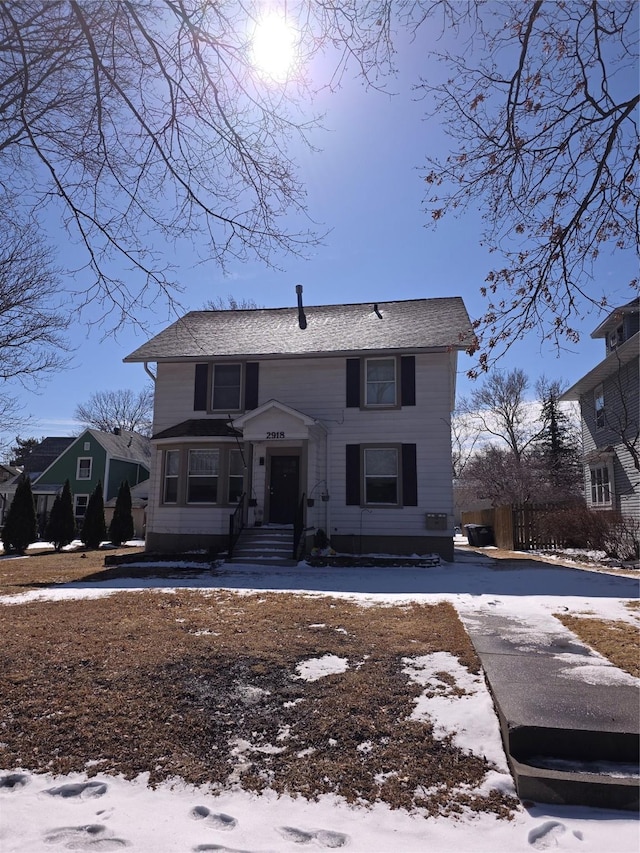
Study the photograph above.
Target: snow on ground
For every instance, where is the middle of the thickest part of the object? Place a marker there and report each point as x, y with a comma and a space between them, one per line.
41, 813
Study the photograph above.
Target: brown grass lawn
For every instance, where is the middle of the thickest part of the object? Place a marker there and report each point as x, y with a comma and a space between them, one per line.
47, 568
618, 641
203, 685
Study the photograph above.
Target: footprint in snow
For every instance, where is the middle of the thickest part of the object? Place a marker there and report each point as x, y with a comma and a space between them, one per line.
217, 820
93, 837
216, 848
324, 837
13, 781
546, 835
332, 840
82, 790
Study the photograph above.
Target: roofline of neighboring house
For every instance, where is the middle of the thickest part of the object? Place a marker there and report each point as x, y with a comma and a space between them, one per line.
622, 354
96, 434
461, 347
615, 316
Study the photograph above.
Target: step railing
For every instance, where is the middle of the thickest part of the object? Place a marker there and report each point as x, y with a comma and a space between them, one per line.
298, 526
236, 524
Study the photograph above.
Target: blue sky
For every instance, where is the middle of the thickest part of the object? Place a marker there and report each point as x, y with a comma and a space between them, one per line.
365, 187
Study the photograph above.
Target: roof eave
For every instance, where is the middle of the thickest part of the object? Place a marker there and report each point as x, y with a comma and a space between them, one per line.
460, 347
614, 318
621, 355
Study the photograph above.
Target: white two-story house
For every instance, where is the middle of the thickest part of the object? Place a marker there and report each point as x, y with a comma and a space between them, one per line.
338, 415
609, 397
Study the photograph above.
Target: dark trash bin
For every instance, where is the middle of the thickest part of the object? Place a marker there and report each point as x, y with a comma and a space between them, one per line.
479, 535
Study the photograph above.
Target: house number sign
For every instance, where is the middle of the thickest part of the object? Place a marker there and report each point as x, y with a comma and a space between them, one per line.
275, 435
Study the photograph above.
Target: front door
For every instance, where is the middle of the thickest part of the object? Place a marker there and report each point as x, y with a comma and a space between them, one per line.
283, 489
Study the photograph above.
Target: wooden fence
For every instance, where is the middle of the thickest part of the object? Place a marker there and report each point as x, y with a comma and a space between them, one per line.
516, 528
498, 518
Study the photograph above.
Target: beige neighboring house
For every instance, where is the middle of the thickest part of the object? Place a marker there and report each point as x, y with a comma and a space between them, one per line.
334, 415
609, 397
139, 500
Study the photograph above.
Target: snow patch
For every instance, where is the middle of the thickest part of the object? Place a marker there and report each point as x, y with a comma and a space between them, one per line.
315, 668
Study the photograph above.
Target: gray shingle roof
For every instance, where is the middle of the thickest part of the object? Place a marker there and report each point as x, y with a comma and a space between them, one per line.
45, 453
130, 446
407, 325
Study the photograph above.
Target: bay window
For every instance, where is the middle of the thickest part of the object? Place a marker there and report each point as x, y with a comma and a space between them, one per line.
171, 472
236, 476
202, 477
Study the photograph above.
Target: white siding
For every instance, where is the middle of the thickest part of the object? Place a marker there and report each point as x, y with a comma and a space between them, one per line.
173, 395
317, 387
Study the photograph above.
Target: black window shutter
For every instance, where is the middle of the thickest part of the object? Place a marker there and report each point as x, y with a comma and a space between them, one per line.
408, 380
252, 369
200, 388
352, 469
409, 476
353, 384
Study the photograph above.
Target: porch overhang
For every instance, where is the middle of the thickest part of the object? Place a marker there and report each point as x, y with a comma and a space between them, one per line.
274, 420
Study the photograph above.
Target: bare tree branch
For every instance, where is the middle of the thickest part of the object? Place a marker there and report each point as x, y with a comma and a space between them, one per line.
32, 345
548, 150
122, 409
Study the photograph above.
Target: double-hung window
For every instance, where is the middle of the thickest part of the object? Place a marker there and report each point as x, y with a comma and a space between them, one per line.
380, 381
600, 486
85, 464
202, 477
80, 503
171, 474
227, 387
598, 405
381, 475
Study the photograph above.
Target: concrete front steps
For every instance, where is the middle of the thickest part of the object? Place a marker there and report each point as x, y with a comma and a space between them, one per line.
568, 741
266, 546
574, 767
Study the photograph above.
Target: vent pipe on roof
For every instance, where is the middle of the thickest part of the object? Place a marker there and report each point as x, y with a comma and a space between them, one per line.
377, 310
302, 320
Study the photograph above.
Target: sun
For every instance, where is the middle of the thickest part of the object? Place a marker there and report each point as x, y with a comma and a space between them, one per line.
274, 48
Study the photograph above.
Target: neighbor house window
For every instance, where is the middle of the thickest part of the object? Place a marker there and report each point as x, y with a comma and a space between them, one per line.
380, 382
236, 476
202, 478
84, 468
381, 475
171, 473
598, 404
227, 385
600, 486
80, 507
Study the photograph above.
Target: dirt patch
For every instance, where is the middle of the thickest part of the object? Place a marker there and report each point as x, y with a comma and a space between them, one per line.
618, 641
205, 686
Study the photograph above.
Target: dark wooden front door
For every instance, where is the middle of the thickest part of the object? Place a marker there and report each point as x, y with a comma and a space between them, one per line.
283, 489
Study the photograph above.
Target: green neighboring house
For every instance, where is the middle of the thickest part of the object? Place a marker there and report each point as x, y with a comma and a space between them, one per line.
93, 457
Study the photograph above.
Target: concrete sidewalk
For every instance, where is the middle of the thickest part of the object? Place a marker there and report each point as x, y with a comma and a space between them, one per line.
570, 721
